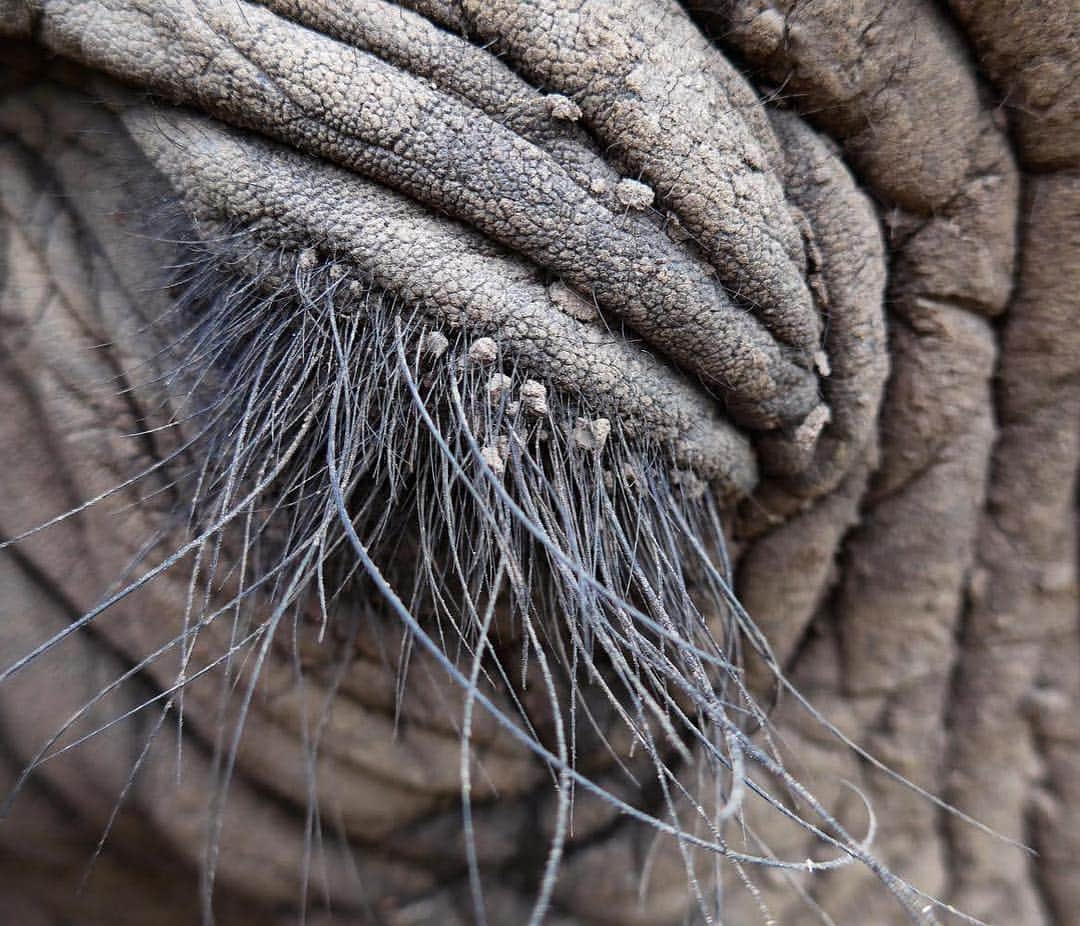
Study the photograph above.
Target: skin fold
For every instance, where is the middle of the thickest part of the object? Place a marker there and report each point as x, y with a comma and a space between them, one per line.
532, 461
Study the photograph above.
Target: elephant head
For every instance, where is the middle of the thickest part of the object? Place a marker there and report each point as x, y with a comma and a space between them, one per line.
523, 461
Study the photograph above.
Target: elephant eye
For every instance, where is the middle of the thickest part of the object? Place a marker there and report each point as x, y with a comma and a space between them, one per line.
522, 371
496, 364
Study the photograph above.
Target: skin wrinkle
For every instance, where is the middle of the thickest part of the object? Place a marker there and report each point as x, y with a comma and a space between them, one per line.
887, 79
976, 228
885, 610
430, 261
784, 576
377, 782
409, 41
88, 561
900, 596
1033, 62
901, 588
177, 809
681, 124
991, 880
45, 843
374, 685
1055, 704
346, 105
1023, 593
32, 461
964, 546
950, 173
851, 280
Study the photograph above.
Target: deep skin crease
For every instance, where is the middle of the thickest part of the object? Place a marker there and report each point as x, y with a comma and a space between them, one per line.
518, 462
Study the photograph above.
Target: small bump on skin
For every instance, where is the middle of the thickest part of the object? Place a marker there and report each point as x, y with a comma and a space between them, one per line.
533, 396
483, 351
634, 195
821, 363
435, 344
675, 229
562, 108
497, 386
591, 435
807, 433
495, 460
691, 485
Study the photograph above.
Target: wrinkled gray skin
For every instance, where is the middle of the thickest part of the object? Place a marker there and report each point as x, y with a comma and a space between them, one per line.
859, 333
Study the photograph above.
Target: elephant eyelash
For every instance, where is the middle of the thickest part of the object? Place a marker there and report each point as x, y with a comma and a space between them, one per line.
548, 512
324, 414
317, 414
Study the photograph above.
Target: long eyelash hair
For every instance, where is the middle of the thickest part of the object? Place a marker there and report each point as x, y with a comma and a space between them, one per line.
341, 447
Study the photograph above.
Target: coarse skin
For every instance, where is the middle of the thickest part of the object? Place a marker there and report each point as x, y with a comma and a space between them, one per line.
753, 299
251, 68
688, 124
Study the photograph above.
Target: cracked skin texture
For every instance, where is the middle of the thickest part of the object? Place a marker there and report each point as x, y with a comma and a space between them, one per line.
684, 123
254, 69
429, 261
915, 567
